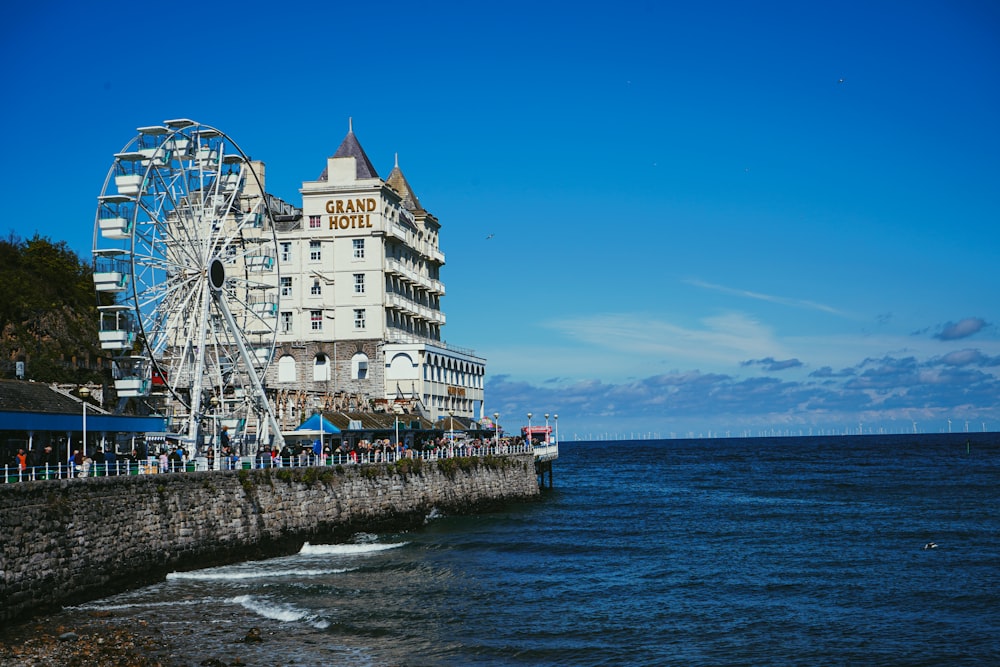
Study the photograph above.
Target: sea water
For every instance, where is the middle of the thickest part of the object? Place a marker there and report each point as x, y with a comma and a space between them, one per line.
758, 551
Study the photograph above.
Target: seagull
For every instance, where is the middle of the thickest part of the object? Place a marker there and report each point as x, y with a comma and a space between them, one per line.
840, 80
489, 237
931, 545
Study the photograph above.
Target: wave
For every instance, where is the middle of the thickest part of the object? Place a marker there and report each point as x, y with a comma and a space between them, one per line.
281, 612
253, 574
98, 606
348, 549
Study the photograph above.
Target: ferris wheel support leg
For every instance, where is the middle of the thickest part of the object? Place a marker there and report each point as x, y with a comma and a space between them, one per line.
197, 409
258, 388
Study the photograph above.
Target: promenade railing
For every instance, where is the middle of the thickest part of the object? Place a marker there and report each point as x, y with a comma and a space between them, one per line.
154, 466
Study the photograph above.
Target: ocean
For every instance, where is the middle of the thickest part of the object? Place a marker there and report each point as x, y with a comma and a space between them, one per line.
757, 551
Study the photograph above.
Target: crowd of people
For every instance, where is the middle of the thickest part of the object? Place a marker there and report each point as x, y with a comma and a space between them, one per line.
45, 463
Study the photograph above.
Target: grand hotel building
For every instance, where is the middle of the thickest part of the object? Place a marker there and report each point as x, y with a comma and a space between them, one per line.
359, 315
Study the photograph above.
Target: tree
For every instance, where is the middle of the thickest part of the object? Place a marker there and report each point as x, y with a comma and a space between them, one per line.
48, 314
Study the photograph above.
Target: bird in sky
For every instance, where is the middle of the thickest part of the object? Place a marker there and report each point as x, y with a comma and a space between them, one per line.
489, 237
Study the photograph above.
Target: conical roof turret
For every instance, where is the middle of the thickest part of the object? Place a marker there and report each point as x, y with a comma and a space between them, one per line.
399, 183
351, 147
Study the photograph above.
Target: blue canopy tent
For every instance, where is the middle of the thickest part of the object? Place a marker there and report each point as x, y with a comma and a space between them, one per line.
315, 425
316, 428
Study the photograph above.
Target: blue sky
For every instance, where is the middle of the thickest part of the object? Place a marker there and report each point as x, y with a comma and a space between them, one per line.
706, 217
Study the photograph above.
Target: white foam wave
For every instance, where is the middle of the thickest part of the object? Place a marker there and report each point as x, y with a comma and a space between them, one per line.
96, 606
348, 549
240, 575
283, 613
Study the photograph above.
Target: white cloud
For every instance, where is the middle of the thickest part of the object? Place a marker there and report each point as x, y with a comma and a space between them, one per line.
771, 298
723, 340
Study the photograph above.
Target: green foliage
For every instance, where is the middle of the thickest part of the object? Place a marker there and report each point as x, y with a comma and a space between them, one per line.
48, 314
313, 475
245, 481
448, 467
408, 466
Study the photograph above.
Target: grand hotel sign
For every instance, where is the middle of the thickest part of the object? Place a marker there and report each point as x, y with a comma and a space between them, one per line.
351, 213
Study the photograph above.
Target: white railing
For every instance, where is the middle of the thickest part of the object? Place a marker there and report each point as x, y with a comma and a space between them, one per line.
155, 466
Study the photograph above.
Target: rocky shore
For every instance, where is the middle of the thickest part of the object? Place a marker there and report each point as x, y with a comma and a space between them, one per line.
100, 640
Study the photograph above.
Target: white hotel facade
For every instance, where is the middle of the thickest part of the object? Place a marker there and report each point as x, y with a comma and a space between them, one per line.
359, 315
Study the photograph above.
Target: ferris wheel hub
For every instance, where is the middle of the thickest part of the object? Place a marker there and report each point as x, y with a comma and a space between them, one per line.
216, 274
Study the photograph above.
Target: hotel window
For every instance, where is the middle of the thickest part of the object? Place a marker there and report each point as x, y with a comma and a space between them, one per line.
359, 318
286, 286
316, 320
286, 251
359, 366
286, 369
321, 368
359, 248
314, 222
359, 283
286, 322
315, 254
316, 290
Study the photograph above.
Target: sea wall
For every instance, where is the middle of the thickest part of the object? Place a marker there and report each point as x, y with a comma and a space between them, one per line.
66, 541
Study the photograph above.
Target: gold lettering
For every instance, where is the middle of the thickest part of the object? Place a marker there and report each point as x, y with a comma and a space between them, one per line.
359, 219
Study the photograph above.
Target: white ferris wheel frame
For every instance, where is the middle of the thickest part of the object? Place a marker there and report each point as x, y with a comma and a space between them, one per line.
186, 269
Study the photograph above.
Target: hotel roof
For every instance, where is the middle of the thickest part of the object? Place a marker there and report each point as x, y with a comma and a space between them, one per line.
351, 147
398, 183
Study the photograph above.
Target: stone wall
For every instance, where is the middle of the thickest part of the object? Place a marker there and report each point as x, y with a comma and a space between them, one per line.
66, 541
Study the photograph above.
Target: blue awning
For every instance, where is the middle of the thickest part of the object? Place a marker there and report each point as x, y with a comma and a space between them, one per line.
63, 423
318, 423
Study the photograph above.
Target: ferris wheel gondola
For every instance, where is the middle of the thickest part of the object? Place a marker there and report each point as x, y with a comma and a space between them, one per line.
185, 267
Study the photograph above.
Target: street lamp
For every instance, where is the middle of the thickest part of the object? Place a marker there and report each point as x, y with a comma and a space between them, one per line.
84, 395
214, 401
556, 417
529, 429
496, 428
547, 429
451, 426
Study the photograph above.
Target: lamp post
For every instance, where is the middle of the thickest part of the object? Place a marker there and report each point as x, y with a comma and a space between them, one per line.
84, 394
214, 402
451, 425
547, 429
529, 429
556, 417
496, 428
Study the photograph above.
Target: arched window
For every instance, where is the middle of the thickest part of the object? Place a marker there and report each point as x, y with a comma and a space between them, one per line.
286, 369
321, 368
359, 366
402, 368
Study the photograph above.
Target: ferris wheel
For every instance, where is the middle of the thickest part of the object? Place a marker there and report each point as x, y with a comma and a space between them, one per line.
186, 272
